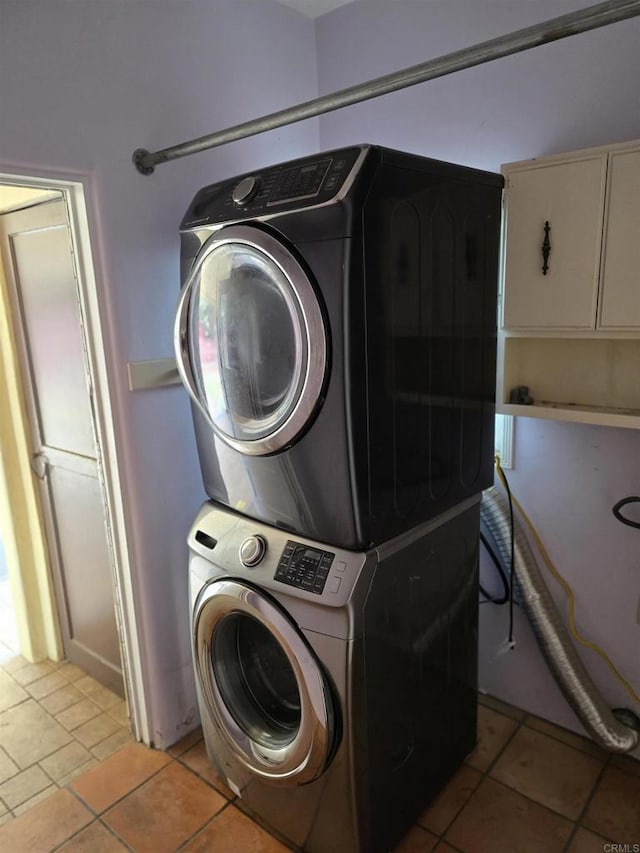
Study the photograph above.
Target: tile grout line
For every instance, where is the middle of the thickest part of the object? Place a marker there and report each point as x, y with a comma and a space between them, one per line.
259, 821
82, 829
12, 810
144, 782
522, 721
550, 729
535, 802
202, 828
120, 799
115, 835
453, 847
97, 818
589, 800
484, 774
565, 742
228, 802
498, 755
203, 778
577, 823
441, 836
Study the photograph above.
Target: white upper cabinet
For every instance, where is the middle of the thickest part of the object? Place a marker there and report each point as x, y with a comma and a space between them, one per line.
569, 197
620, 292
569, 342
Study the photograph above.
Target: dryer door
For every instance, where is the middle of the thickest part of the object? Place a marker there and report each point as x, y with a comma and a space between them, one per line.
262, 684
250, 340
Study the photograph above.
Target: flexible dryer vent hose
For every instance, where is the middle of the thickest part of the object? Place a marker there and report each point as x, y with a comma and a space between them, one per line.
552, 637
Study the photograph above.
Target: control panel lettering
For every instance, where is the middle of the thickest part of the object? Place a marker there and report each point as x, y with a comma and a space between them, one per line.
305, 183
298, 182
303, 567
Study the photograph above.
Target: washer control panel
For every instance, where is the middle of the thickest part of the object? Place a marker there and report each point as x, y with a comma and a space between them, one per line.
304, 567
224, 543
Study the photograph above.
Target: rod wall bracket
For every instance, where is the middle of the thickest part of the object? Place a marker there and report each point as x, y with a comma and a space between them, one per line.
140, 155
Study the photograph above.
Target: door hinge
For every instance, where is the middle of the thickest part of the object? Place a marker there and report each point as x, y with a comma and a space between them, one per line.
39, 465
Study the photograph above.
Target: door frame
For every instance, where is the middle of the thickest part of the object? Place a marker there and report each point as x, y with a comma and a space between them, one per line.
79, 192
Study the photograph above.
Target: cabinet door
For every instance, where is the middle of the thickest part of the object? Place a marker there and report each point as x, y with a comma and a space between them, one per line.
570, 197
620, 300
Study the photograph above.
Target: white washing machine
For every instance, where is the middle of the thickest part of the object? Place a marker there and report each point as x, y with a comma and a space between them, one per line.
337, 689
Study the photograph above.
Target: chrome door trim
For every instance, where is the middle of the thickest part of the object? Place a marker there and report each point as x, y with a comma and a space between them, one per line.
315, 345
181, 346
305, 757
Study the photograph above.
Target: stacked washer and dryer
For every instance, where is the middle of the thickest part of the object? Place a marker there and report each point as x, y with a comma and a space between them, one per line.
336, 332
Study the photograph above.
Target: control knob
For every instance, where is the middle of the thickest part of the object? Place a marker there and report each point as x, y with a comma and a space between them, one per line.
252, 551
246, 189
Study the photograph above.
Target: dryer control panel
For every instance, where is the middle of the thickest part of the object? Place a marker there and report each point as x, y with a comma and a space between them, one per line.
304, 567
301, 183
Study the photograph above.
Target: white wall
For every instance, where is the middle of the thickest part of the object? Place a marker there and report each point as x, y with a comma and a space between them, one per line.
576, 93
82, 84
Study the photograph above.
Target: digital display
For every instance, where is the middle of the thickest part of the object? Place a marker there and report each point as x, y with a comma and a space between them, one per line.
312, 555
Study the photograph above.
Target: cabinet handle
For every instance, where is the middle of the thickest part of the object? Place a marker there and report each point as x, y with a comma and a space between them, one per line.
546, 248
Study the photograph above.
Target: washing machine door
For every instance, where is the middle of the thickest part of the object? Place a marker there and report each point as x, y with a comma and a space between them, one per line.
250, 340
262, 684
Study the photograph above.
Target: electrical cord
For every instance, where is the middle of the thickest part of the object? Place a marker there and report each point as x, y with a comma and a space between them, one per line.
505, 582
633, 499
512, 556
568, 591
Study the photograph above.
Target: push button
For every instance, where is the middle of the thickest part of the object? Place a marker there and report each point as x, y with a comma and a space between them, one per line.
334, 584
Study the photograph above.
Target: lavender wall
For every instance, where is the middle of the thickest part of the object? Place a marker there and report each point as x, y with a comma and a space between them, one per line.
84, 83
568, 477
81, 85
572, 94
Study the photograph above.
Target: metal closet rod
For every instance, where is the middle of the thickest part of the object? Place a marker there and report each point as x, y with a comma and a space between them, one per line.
571, 24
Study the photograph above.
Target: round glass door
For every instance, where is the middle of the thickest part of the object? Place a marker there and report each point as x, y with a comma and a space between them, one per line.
256, 681
262, 684
248, 324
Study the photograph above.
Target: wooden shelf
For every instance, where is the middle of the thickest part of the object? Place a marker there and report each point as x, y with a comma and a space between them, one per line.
573, 379
597, 415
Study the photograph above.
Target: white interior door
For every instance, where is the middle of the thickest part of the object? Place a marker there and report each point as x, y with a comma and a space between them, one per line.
38, 260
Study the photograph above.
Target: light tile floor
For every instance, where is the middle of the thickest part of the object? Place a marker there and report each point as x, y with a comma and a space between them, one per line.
529, 786
55, 723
